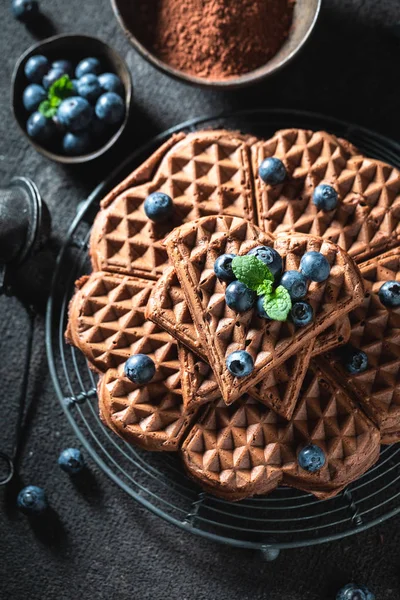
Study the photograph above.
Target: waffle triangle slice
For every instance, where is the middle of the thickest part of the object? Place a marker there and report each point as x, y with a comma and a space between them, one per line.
367, 218
375, 330
193, 249
279, 390
107, 323
246, 449
205, 173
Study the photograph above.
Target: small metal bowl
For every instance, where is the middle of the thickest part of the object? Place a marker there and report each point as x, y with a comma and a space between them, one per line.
75, 48
304, 18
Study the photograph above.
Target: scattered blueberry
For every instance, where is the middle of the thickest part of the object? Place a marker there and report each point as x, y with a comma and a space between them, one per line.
25, 11
223, 267
32, 500
75, 113
260, 308
110, 108
355, 360
351, 591
111, 83
272, 171
270, 257
65, 66
302, 314
52, 76
36, 68
240, 363
75, 144
89, 87
39, 128
311, 458
389, 294
71, 461
325, 197
33, 95
315, 266
158, 207
140, 368
239, 297
295, 283
88, 65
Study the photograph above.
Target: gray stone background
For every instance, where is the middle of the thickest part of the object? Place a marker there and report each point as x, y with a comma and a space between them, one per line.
104, 544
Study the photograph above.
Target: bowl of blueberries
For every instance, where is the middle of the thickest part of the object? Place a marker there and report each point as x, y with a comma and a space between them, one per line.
71, 97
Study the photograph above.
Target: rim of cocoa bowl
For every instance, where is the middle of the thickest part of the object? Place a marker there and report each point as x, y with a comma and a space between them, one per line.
247, 79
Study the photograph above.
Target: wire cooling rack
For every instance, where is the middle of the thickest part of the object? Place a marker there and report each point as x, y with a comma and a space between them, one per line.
286, 518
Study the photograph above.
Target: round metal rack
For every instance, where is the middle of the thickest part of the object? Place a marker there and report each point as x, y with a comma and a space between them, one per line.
286, 518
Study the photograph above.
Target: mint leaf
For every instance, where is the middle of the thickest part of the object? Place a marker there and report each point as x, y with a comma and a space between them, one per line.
265, 289
251, 271
278, 304
47, 110
61, 89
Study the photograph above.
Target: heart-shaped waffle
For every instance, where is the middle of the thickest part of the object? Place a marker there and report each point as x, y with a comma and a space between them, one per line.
279, 390
246, 449
366, 219
205, 173
193, 249
375, 329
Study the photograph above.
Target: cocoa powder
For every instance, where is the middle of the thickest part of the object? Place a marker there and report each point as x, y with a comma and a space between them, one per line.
214, 39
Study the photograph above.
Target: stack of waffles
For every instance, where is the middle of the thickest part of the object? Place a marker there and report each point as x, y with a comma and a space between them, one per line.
153, 291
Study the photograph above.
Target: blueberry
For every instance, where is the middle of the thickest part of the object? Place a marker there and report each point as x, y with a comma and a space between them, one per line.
140, 368
325, 197
239, 297
110, 108
223, 267
295, 283
302, 314
39, 128
52, 76
262, 313
75, 144
311, 458
71, 461
272, 171
158, 207
315, 266
65, 66
88, 65
25, 11
75, 86
270, 257
89, 87
33, 95
75, 113
240, 363
111, 83
351, 591
36, 68
389, 294
32, 500
354, 360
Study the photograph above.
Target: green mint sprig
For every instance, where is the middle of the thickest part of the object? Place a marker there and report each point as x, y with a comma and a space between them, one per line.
59, 91
251, 271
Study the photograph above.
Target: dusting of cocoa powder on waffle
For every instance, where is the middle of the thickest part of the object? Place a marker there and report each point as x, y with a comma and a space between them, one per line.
215, 39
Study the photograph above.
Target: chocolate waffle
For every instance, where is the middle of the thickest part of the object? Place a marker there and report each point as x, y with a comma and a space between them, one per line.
375, 330
279, 389
107, 323
205, 173
193, 249
366, 220
246, 449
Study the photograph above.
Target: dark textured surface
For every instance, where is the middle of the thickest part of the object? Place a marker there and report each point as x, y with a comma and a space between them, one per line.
99, 543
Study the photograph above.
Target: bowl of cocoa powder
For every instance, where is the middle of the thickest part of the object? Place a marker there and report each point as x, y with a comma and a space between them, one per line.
217, 43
